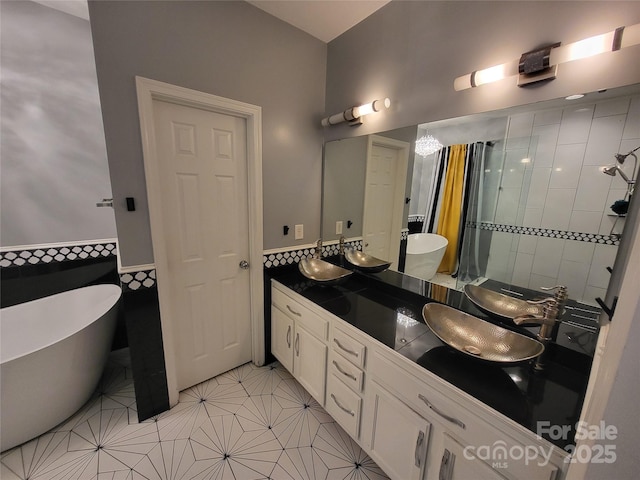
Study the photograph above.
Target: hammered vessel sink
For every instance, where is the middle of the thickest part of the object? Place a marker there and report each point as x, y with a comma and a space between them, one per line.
321, 272
478, 338
365, 262
503, 306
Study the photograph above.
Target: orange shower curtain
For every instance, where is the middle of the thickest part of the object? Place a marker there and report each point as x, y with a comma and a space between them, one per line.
450, 210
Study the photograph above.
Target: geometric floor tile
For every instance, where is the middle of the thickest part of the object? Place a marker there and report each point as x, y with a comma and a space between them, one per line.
300, 417
197, 404
343, 457
226, 450
249, 423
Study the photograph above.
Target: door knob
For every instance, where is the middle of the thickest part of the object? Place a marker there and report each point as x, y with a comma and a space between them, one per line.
244, 265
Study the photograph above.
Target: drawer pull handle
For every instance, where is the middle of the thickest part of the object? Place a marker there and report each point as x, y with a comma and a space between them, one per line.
289, 337
446, 417
419, 442
346, 410
297, 346
446, 465
351, 352
346, 374
293, 311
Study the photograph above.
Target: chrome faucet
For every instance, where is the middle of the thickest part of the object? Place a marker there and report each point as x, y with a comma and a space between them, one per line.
341, 250
318, 252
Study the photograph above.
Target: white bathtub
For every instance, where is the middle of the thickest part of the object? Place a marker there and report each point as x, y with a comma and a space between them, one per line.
424, 254
53, 352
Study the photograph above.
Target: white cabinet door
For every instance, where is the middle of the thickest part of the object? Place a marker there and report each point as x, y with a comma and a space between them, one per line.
456, 465
310, 363
282, 338
399, 436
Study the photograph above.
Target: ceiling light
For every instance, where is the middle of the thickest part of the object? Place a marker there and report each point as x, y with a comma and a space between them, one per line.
427, 144
541, 64
354, 115
574, 97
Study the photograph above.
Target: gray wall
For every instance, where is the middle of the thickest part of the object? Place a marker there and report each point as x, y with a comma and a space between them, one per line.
54, 161
413, 51
230, 49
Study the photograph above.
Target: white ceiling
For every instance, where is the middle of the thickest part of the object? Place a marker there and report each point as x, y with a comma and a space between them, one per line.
324, 19
78, 8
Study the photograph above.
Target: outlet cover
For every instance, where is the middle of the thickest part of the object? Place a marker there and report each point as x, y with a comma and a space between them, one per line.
299, 232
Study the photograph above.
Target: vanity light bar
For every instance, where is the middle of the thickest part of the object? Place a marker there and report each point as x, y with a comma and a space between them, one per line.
353, 115
617, 39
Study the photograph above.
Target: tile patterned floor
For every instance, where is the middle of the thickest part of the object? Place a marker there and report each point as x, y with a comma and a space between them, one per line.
249, 423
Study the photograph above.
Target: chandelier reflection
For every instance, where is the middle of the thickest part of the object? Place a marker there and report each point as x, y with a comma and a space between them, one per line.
427, 144
404, 319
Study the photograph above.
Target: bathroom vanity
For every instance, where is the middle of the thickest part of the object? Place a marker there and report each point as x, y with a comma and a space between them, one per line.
418, 408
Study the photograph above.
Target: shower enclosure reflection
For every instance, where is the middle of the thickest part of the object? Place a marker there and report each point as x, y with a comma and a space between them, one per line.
539, 212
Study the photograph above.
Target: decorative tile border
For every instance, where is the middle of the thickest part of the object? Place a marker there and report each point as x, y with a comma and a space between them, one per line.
548, 233
135, 278
138, 280
56, 253
287, 256
416, 218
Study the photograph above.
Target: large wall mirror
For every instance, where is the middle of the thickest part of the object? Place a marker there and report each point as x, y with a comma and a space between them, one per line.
543, 195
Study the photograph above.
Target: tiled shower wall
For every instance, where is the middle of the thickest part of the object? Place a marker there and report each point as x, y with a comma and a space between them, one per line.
557, 156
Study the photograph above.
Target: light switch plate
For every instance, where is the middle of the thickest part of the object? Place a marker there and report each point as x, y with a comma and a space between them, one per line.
339, 227
299, 232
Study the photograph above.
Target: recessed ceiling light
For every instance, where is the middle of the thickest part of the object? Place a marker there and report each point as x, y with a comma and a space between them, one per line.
574, 97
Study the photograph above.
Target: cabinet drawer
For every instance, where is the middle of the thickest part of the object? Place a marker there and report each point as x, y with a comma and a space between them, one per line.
346, 371
344, 406
313, 323
348, 347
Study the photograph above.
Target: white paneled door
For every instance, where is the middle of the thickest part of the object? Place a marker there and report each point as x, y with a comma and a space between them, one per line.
202, 168
386, 178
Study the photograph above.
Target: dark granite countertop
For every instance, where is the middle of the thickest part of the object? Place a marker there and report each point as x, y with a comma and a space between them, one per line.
388, 307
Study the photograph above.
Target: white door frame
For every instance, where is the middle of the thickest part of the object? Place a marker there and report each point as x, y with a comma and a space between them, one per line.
147, 91
402, 167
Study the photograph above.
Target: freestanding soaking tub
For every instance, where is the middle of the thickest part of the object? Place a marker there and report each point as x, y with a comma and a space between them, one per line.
424, 254
53, 352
